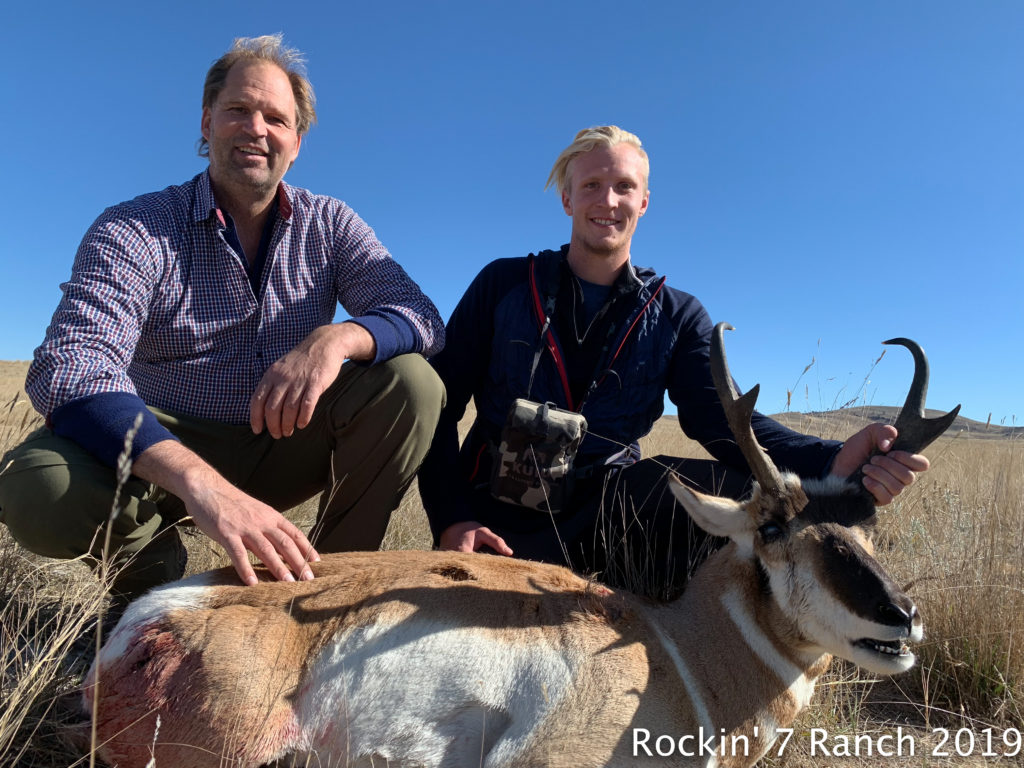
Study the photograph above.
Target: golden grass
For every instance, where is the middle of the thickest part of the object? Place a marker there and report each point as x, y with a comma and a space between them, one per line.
957, 537
49, 615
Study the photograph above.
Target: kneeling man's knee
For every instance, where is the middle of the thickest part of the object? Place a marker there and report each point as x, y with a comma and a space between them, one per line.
54, 497
415, 381
400, 398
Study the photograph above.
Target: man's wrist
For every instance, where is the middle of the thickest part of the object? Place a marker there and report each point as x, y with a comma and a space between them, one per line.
358, 342
177, 469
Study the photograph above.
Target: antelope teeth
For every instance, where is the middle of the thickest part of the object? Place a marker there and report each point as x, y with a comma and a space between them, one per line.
891, 648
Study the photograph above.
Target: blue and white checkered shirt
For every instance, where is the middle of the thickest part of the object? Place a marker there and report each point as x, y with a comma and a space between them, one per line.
160, 306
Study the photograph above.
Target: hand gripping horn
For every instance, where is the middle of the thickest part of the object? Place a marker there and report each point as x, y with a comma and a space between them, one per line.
916, 431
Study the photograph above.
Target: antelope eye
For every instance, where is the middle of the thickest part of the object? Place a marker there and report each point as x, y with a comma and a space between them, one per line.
770, 532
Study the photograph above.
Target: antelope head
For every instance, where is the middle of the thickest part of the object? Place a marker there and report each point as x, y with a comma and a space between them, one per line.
810, 541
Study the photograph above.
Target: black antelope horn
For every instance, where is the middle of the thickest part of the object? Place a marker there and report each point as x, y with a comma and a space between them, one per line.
738, 410
916, 431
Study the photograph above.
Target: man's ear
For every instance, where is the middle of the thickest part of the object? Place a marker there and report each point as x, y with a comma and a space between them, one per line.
204, 124
647, 199
566, 204
298, 146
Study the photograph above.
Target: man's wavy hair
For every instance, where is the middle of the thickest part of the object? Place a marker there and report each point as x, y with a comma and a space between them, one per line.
269, 48
586, 140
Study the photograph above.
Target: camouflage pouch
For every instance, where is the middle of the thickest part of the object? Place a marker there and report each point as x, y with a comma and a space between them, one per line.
533, 466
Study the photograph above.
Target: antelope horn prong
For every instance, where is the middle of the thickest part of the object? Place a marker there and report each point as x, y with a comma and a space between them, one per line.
738, 411
916, 431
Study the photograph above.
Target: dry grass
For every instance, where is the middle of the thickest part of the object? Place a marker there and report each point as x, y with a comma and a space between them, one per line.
957, 537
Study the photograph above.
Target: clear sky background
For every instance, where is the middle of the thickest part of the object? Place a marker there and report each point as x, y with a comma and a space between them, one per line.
825, 175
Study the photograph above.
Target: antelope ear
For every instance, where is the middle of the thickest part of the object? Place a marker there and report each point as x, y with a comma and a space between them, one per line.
718, 515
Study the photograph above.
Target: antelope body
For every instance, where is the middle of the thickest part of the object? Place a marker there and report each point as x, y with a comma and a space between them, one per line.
447, 659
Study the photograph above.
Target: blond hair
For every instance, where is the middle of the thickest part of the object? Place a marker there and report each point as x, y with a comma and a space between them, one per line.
269, 48
586, 140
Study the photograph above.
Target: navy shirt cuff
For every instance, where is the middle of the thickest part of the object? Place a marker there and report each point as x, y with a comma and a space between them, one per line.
100, 422
392, 332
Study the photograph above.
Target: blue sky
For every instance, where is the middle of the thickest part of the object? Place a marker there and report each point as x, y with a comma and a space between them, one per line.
825, 175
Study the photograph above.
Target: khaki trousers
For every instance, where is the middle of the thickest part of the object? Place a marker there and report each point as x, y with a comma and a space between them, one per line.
368, 436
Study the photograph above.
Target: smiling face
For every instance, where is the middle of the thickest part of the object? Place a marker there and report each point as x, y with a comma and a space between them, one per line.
251, 130
606, 196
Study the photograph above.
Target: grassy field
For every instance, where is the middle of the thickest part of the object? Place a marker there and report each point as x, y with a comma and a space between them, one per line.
956, 536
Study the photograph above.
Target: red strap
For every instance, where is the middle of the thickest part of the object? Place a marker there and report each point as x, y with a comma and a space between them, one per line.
631, 327
552, 346
476, 466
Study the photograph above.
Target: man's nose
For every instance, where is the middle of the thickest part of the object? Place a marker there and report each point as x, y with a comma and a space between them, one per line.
256, 125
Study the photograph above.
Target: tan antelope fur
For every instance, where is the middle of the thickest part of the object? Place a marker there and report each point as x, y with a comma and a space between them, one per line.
449, 659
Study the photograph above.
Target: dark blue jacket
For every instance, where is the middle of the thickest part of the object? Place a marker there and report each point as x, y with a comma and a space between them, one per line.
651, 339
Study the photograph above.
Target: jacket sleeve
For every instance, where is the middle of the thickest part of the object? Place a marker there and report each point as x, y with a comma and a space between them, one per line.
79, 378
702, 418
444, 480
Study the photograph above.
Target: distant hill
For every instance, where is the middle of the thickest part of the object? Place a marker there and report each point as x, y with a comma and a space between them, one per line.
864, 414
840, 424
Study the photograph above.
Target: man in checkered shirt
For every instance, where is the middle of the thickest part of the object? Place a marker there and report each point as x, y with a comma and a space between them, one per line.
203, 313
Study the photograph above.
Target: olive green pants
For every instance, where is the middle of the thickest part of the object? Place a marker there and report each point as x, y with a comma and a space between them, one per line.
368, 435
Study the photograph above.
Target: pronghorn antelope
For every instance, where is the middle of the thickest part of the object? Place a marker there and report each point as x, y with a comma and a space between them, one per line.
445, 659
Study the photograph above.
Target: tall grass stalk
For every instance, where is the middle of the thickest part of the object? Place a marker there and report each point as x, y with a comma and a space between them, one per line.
124, 471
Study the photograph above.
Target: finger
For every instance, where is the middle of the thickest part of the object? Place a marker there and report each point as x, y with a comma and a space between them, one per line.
272, 411
256, 408
293, 554
878, 491
240, 560
266, 551
487, 537
309, 401
309, 553
289, 411
892, 484
883, 435
899, 471
915, 462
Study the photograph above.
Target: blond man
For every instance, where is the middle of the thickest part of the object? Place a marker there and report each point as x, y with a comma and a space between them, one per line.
584, 329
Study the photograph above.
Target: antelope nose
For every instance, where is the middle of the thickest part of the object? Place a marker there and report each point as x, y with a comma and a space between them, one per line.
897, 616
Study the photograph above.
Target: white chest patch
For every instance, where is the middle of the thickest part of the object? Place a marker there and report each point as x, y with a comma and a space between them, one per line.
761, 646
421, 693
